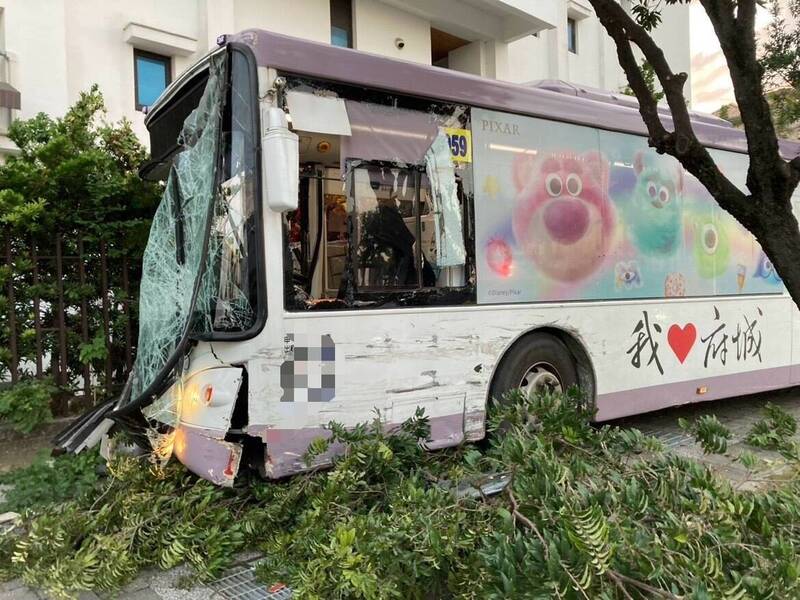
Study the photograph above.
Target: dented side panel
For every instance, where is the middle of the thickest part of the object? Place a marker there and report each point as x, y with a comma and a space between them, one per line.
344, 366
443, 360
206, 456
198, 410
208, 398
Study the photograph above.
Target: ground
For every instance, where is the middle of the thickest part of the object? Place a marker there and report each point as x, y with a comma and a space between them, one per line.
738, 414
18, 450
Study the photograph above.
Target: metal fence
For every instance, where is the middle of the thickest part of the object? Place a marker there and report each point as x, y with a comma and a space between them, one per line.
70, 315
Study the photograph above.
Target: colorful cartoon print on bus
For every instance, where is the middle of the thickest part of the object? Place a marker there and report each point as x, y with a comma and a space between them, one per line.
653, 214
563, 219
626, 274
765, 271
712, 246
565, 212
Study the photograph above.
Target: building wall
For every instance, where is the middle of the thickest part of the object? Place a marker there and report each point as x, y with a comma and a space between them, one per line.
673, 35
59, 48
546, 57
487, 58
309, 19
467, 59
37, 61
376, 27
595, 64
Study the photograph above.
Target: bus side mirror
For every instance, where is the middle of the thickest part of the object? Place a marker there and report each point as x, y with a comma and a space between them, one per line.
280, 160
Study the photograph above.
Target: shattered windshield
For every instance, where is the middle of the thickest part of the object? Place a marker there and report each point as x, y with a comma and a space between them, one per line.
227, 297
192, 231
200, 269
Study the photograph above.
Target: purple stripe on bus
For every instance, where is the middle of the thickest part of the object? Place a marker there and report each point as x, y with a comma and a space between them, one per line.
286, 447
655, 397
324, 61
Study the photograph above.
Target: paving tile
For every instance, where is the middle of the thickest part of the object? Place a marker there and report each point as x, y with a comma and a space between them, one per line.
738, 415
142, 581
145, 594
20, 593
12, 585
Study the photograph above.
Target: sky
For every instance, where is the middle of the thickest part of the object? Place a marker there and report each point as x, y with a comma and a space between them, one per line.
711, 84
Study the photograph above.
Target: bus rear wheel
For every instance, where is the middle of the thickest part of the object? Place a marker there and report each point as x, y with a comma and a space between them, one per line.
537, 363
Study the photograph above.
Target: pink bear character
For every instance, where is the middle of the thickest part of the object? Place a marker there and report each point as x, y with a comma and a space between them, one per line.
564, 219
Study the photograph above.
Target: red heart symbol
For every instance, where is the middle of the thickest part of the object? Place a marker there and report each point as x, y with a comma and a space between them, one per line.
681, 340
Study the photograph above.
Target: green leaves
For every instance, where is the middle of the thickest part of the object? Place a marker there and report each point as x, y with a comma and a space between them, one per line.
775, 432
647, 17
75, 176
590, 512
94, 350
647, 13
781, 53
712, 435
26, 405
50, 480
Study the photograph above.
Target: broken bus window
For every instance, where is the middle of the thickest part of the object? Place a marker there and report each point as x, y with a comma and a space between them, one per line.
384, 213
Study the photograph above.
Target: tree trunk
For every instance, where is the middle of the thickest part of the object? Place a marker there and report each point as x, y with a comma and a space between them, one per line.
779, 236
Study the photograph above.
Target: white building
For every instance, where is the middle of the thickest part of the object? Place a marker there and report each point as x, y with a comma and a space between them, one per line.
51, 50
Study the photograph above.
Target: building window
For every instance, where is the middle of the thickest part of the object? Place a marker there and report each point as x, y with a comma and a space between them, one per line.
342, 23
572, 35
152, 74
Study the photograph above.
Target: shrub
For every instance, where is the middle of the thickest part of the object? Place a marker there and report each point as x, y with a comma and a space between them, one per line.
588, 513
75, 176
50, 481
26, 405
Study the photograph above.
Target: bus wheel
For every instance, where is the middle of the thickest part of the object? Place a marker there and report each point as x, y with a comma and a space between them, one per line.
537, 363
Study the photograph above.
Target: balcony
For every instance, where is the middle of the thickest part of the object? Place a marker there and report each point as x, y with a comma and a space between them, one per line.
499, 20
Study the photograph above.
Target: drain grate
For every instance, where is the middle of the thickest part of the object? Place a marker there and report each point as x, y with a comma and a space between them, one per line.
240, 584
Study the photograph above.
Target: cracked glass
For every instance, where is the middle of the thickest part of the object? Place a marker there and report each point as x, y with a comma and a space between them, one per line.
174, 256
228, 291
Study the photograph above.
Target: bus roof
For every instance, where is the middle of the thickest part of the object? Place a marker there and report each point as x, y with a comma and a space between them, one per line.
345, 65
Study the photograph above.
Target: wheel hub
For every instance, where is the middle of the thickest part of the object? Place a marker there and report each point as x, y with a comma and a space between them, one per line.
540, 377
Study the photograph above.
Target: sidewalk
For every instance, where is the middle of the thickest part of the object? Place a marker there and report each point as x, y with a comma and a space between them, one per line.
177, 584
738, 415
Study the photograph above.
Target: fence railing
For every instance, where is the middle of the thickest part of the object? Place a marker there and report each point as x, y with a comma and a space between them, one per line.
70, 315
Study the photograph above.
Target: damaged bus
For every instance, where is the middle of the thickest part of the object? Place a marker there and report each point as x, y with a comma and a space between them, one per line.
342, 232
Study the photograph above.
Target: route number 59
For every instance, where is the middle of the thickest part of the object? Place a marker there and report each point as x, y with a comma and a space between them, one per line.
460, 142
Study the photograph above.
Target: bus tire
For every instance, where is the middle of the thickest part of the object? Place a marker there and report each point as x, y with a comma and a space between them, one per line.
538, 362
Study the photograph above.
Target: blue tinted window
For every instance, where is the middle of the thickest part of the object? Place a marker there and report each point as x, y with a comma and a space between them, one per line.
342, 23
572, 36
152, 77
340, 37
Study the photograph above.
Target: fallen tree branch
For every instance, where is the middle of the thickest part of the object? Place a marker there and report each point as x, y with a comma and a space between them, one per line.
618, 582
642, 585
526, 521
